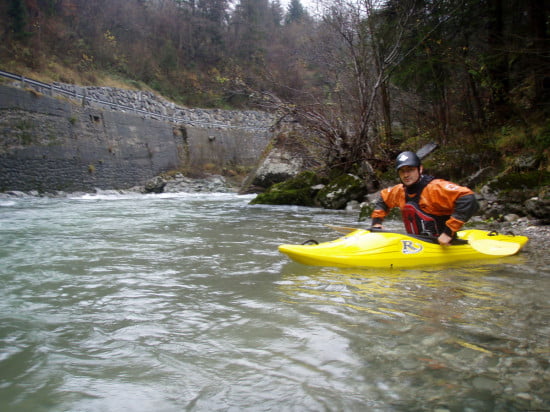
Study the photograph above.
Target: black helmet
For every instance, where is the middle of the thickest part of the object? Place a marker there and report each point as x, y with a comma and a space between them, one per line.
407, 159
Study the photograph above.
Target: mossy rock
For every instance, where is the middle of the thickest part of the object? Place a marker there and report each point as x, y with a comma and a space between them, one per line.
511, 183
341, 190
511, 191
299, 191
367, 209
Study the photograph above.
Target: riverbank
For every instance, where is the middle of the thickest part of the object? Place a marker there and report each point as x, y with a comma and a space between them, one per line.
538, 233
176, 184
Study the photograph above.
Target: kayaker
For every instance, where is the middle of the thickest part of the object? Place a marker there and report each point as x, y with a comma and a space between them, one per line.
429, 206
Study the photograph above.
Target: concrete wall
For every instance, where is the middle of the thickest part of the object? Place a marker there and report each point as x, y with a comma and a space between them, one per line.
53, 143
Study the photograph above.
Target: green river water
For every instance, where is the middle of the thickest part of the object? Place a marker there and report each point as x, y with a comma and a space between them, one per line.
182, 302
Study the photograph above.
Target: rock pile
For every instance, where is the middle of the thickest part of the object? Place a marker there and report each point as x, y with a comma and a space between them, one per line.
148, 103
180, 183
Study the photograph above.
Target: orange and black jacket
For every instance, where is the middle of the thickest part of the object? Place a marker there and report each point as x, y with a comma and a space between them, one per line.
431, 206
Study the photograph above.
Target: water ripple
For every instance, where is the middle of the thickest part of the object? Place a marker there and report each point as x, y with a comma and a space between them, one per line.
182, 302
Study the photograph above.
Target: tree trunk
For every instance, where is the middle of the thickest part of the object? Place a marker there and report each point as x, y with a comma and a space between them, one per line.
386, 113
497, 59
537, 11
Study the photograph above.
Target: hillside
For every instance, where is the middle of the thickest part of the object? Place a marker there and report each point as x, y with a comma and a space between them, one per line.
369, 79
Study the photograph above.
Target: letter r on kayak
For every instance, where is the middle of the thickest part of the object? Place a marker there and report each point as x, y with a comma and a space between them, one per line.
409, 247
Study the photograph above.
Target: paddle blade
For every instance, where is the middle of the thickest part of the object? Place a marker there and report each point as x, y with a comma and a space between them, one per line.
495, 247
343, 229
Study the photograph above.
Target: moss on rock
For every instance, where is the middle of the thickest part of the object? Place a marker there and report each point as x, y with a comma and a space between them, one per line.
510, 192
299, 191
525, 180
516, 188
367, 209
341, 190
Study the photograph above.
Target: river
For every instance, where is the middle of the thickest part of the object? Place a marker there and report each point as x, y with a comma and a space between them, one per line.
181, 302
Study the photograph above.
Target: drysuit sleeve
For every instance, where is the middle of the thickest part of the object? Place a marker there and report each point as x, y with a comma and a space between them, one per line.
465, 207
388, 199
380, 211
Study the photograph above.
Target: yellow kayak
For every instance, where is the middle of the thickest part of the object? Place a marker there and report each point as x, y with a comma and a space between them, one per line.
363, 248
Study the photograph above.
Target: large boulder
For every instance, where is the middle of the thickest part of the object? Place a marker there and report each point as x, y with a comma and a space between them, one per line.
279, 165
286, 157
154, 185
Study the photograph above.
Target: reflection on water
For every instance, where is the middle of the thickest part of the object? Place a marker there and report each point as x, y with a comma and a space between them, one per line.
182, 302
448, 330
390, 288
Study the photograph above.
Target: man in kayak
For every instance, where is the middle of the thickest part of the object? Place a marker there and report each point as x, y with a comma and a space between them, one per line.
429, 206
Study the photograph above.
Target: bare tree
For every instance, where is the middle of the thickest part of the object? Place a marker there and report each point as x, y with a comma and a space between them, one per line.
357, 46
352, 110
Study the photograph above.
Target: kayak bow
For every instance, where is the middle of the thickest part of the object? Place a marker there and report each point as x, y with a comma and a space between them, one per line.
363, 248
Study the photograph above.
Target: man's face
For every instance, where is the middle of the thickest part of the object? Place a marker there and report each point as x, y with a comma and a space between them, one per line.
409, 175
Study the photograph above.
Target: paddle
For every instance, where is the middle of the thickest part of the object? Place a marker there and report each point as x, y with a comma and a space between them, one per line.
425, 238
485, 246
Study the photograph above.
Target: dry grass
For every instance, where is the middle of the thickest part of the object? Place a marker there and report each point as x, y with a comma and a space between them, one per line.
57, 72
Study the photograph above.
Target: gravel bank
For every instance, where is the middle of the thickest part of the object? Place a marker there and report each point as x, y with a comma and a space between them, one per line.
538, 234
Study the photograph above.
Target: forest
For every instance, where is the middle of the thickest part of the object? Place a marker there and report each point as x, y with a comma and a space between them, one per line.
368, 78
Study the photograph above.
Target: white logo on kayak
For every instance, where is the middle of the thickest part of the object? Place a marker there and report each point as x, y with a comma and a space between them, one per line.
410, 247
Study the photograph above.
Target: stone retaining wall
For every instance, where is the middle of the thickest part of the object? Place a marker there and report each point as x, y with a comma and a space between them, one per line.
52, 143
148, 104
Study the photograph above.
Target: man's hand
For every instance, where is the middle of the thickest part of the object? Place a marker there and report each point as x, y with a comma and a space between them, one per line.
377, 226
444, 239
